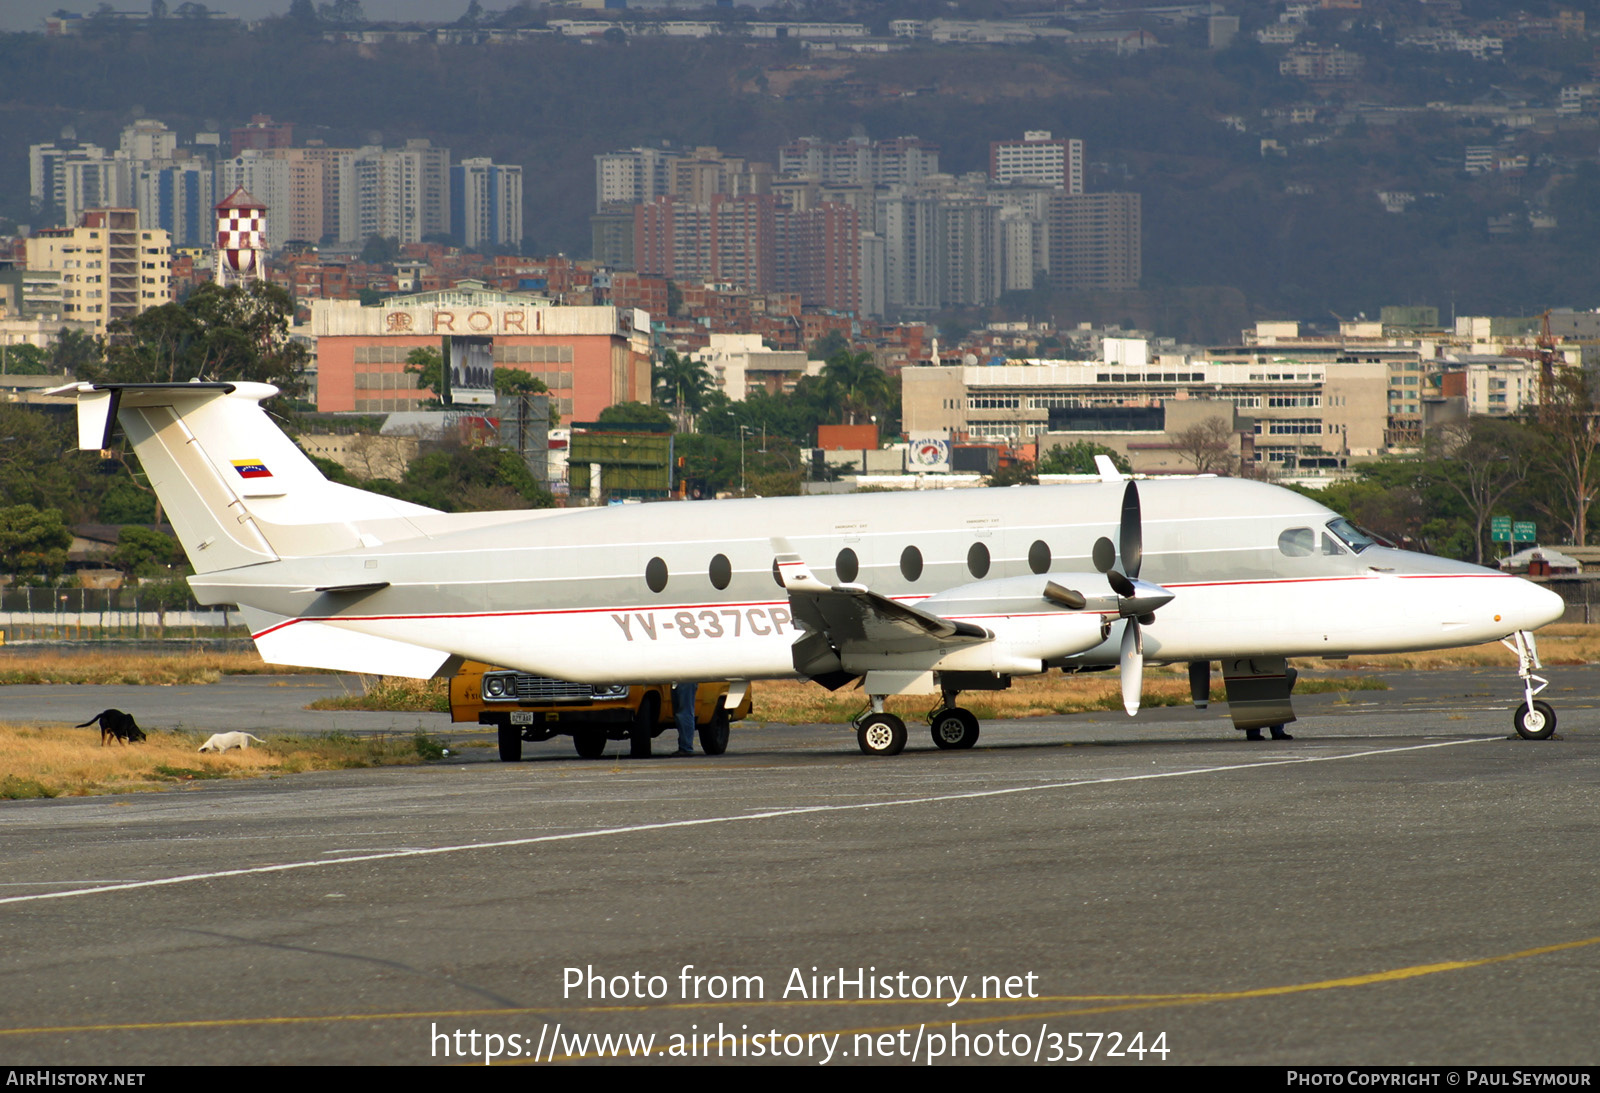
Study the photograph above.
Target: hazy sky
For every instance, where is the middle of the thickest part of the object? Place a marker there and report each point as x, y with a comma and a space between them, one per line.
29, 14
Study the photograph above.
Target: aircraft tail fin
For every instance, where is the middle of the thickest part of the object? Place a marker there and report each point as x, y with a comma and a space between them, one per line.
237, 490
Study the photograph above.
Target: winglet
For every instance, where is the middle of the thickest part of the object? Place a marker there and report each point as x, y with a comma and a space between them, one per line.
1108, 470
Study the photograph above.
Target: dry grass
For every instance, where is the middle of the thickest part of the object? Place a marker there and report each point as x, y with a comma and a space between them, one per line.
1563, 643
54, 761
396, 693
158, 669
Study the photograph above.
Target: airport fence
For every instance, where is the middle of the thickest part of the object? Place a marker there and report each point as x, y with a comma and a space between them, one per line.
107, 614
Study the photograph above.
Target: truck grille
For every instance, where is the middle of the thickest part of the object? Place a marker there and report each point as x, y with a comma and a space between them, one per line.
530, 688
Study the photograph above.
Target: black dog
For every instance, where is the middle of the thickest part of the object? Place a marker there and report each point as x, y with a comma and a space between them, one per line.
115, 723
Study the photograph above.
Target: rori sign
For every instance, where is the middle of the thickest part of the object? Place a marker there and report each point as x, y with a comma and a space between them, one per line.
462, 320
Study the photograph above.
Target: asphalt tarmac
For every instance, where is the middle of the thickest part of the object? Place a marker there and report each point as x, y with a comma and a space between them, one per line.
1400, 884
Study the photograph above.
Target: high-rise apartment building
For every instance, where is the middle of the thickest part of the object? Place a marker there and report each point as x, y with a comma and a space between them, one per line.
400, 193
148, 138
1095, 241
261, 134
633, 177
175, 195
48, 182
902, 161
1038, 157
111, 268
486, 203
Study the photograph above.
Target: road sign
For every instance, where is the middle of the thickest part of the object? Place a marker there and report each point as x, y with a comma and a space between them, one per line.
1500, 529
1525, 531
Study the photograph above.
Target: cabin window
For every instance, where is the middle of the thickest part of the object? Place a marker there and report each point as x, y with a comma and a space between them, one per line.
655, 574
1039, 556
1298, 542
978, 560
911, 563
847, 566
721, 571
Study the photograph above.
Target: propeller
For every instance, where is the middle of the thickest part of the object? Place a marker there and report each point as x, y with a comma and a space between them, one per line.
1136, 600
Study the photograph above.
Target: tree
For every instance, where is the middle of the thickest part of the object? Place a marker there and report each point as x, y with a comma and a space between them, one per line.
427, 364
634, 413
33, 542
75, 350
1570, 424
1207, 445
144, 552
828, 345
856, 386
1482, 460
1017, 473
380, 249
471, 478
685, 385
1078, 458
24, 360
40, 464
232, 333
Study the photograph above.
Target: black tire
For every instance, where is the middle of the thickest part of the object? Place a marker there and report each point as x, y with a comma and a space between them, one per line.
881, 734
589, 743
510, 743
1536, 724
643, 728
714, 733
954, 728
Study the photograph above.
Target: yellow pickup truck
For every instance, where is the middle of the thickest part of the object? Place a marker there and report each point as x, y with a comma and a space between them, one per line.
533, 708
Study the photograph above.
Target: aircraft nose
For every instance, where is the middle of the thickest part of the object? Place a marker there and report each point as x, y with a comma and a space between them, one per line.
1532, 606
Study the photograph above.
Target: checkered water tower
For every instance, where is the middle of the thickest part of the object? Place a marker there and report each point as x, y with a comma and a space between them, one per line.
241, 238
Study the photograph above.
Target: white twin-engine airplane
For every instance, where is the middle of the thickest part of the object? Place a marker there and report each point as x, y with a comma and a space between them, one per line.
920, 593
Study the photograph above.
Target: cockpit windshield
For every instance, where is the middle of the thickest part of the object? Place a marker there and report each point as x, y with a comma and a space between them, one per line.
1350, 535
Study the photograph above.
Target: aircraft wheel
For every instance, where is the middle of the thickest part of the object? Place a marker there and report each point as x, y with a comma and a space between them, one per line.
881, 734
1538, 723
714, 733
954, 728
589, 743
510, 743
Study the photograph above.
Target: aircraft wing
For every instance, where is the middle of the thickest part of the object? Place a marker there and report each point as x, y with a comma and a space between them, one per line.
857, 620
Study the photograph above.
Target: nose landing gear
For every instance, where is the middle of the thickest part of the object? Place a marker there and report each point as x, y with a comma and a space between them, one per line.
1532, 720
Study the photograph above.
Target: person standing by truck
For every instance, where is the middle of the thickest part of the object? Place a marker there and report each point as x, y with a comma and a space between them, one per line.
683, 710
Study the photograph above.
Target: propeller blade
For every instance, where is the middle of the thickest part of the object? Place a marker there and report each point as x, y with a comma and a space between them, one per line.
1132, 531
1120, 584
1132, 667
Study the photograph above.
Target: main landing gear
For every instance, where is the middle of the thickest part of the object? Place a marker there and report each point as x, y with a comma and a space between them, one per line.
880, 733
952, 727
1533, 720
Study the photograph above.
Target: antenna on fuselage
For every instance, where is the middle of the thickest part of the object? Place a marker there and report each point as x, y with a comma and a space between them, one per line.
1108, 470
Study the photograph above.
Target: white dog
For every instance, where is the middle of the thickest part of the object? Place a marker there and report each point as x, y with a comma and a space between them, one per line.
222, 741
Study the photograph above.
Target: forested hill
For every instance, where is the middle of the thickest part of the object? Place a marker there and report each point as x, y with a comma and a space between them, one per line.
1301, 234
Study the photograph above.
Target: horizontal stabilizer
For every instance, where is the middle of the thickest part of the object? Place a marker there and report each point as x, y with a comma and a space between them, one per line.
309, 644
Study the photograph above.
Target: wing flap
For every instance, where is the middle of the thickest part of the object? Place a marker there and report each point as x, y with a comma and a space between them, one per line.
855, 619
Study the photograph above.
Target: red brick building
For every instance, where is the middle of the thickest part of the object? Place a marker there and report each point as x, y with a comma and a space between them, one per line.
589, 357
